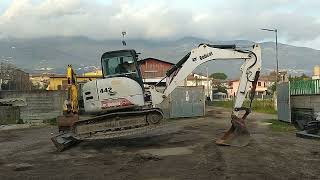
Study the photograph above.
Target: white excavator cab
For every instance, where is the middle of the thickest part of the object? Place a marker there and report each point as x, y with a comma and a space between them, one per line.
121, 86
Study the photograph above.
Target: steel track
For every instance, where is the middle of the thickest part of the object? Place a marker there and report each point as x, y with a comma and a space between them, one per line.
117, 131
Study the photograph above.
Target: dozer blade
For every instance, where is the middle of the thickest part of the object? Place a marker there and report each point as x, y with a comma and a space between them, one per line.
64, 141
237, 135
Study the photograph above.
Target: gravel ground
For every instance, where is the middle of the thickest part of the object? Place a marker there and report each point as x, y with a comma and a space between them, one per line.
186, 150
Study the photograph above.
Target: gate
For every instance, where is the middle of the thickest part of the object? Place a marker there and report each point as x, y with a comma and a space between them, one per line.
283, 102
187, 102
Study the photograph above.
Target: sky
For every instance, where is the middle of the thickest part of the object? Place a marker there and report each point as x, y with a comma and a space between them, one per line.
297, 21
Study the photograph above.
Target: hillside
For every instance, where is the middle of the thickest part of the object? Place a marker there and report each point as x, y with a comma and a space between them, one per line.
56, 53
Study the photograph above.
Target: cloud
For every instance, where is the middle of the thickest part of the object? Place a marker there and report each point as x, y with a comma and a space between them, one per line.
215, 20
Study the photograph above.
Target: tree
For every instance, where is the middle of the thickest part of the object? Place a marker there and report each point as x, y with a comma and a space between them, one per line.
302, 77
220, 88
219, 75
272, 88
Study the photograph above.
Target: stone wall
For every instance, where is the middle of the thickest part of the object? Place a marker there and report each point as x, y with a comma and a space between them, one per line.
41, 105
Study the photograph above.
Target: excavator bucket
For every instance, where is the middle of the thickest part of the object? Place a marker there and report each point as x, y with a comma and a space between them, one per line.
66, 121
65, 138
237, 135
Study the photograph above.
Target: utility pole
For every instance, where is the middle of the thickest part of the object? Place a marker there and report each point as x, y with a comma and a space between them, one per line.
208, 81
123, 36
277, 60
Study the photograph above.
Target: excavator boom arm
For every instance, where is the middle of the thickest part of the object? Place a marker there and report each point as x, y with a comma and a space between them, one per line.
205, 53
250, 71
71, 105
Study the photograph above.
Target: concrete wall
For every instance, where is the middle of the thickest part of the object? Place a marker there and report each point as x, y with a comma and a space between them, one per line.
9, 115
41, 105
306, 101
311, 101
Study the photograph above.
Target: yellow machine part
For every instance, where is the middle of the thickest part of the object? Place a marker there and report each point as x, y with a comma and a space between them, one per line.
71, 105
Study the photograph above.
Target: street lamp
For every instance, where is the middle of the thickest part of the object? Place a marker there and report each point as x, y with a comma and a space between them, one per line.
123, 41
277, 60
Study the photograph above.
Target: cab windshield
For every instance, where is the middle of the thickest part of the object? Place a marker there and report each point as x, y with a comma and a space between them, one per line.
119, 63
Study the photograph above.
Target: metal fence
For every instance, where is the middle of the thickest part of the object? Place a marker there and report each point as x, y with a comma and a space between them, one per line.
305, 87
184, 101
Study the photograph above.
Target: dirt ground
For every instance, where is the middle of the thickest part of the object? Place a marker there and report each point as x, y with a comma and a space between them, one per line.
184, 150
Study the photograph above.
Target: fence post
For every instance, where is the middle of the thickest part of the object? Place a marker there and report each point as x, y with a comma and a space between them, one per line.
275, 101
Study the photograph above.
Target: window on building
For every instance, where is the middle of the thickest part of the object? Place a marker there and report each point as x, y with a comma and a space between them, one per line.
259, 83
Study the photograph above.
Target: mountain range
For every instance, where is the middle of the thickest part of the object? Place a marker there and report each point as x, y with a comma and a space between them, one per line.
54, 53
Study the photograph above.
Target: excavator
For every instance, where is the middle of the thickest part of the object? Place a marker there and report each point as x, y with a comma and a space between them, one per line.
120, 104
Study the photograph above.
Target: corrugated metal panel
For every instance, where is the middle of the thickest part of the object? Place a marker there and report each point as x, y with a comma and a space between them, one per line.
305, 87
283, 102
187, 102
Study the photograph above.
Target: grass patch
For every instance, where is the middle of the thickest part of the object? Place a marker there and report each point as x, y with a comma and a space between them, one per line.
279, 126
263, 106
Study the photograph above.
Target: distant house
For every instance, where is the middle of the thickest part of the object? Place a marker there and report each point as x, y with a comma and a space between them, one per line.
316, 72
153, 70
264, 82
60, 82
199, 80
97, 72
261, 89
40, 81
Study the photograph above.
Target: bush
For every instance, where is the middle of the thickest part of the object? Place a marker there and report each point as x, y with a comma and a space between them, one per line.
263, 106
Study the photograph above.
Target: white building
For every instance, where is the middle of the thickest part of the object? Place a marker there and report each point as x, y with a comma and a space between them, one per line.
199, 80
316, 72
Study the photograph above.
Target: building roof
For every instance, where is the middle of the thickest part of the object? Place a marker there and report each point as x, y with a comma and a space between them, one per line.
150, 58
194, 76
40, 75
78, 76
